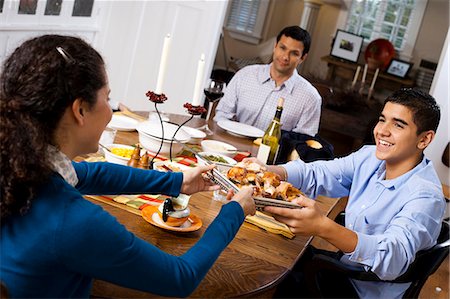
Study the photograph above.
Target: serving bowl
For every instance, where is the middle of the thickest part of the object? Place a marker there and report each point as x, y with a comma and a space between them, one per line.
150, 137
219, 147
223, 162
118, 159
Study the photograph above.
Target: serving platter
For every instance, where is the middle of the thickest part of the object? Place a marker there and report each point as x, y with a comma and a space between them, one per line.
226, 184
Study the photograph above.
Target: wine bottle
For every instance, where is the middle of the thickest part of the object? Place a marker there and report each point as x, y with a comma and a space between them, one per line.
270, 143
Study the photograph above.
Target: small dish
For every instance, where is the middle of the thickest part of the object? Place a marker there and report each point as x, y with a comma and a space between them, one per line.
219, 147
196, 135
150, 214
113, 158
223, 167
169, 166
122, 123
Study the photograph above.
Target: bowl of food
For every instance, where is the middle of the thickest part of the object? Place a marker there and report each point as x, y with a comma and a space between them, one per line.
223, 162
219, 147
151, 135
118, 153
196, 135
173, 212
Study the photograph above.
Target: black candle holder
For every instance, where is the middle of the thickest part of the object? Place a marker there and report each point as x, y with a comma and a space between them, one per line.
157, 99
193, 111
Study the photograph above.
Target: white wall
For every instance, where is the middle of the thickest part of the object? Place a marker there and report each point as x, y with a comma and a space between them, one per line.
131, 39
440, 91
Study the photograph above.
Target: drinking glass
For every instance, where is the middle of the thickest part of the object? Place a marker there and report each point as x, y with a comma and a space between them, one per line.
213, 92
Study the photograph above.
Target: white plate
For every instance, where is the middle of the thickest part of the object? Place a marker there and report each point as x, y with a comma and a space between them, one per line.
122, 123
240, 129
194, 132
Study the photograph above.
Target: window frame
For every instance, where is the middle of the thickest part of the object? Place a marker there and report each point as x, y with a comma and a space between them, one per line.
412, 29
11, 20
256, 35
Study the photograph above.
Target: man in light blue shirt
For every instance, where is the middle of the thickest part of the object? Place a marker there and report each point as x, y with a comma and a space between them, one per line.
395, 205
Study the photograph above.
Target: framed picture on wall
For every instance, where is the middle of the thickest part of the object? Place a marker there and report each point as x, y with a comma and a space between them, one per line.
347, 45
399, 68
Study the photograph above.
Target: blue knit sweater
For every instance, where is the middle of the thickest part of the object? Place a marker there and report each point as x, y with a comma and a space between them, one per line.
65, 241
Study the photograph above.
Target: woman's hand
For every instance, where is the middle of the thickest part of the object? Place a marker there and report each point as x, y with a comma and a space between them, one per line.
194, 180
245, 199
306, 221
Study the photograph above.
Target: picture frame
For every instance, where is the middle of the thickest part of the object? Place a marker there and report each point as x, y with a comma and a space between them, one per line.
347, 45
399, 68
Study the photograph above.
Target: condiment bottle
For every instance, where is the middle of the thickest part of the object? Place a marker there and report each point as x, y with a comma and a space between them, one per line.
135, 157
143, 162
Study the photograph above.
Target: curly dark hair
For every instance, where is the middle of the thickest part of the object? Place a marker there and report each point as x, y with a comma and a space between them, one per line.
425, 110
40, 79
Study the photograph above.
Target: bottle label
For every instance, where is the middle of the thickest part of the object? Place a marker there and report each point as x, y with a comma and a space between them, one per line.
263, 153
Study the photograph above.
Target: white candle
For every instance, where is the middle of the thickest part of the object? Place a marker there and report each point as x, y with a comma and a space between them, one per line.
374, 79
199, 81
364, 74
355, 78
163, 64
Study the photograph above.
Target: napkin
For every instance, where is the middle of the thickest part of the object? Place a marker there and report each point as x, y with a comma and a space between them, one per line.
269, 224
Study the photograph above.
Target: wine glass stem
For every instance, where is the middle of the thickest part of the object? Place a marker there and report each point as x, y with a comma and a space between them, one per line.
208, 115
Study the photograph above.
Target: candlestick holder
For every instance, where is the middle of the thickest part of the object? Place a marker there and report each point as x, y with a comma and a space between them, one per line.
157, 99
193, 111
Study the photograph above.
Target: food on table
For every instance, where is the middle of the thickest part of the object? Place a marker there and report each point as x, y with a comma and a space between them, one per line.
121, 151
168, 167
215, 158
172, 213
267, 184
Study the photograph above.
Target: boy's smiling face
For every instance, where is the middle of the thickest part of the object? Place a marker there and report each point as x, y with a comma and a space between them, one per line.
396, 137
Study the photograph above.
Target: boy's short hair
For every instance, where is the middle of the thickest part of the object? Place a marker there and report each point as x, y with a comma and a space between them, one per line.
425, 110
299, 34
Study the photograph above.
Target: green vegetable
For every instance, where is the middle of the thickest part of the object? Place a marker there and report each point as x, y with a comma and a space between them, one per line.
215, 159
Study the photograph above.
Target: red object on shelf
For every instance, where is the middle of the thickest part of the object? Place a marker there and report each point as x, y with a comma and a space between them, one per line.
381, 50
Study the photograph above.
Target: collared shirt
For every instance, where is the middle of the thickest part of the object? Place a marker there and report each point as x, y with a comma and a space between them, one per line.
251, 97
393, 219
62, 165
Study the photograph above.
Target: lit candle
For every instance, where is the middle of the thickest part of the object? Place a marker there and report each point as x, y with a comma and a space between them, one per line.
163, 64
374, 79
356, 75
364, 74
199, 81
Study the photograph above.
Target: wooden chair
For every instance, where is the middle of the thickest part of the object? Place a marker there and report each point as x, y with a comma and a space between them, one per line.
425, 264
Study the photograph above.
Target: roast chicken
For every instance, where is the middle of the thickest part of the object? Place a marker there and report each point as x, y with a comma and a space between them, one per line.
267, 184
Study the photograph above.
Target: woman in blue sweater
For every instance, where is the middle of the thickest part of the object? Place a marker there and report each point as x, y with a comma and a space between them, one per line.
54, 107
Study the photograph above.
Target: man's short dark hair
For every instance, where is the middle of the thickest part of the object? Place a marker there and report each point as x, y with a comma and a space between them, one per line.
299, 34
425, 110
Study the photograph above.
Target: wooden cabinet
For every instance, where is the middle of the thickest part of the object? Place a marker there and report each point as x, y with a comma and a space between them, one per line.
341, 73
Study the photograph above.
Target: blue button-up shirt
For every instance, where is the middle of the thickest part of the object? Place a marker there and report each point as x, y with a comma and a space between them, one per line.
393, 219
251, 97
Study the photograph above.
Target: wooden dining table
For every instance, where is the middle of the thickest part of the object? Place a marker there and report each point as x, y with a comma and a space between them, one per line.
252, 265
